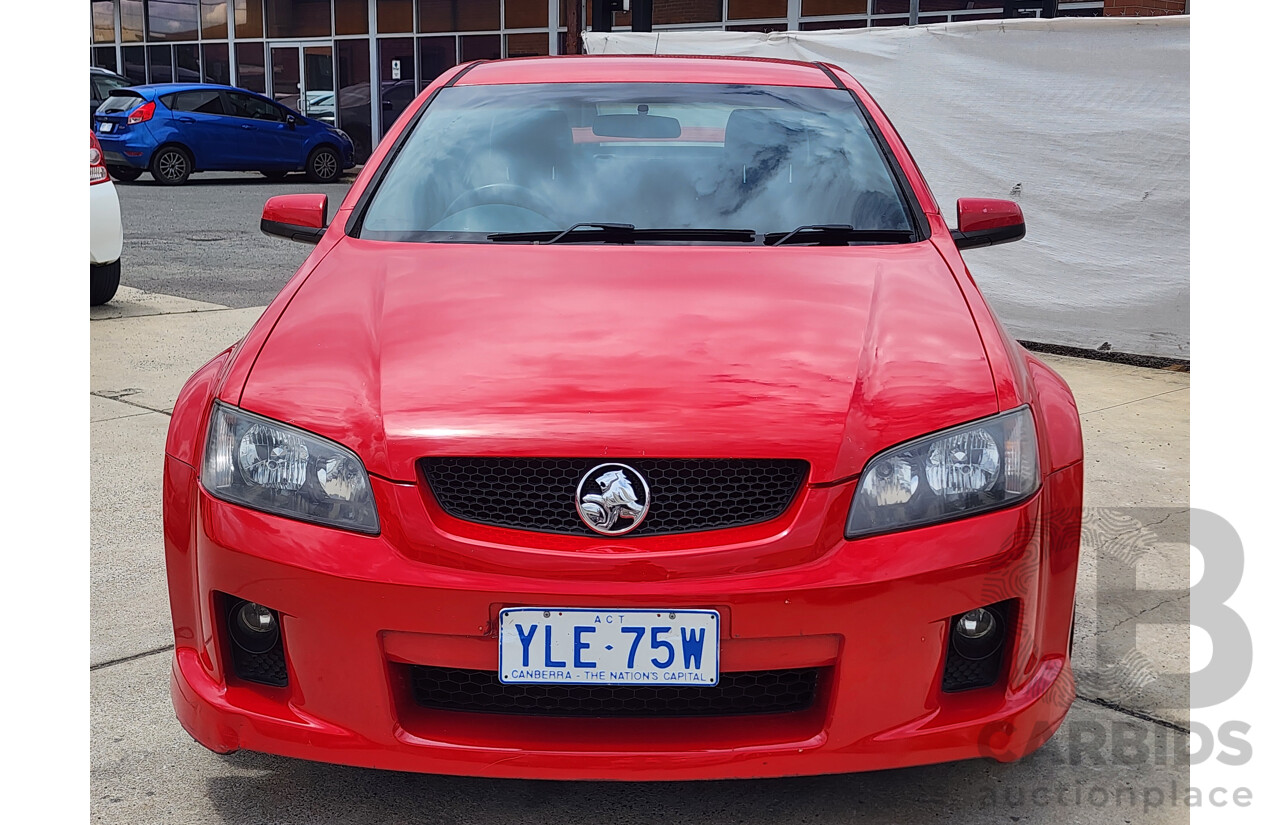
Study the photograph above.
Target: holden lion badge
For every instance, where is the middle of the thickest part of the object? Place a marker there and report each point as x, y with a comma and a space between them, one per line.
612, 499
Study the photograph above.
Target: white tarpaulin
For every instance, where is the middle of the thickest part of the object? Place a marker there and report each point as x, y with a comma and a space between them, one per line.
1084, 122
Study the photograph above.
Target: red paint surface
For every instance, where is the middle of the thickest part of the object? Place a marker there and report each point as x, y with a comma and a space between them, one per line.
977, 214
297, 210
827, 354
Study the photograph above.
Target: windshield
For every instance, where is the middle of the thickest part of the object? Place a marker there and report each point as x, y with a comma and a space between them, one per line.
487, 160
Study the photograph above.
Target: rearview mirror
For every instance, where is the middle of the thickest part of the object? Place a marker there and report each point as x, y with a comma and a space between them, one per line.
987, 222
301, 218
647, 127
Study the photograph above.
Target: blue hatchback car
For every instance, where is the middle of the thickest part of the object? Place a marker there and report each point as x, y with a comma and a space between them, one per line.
174, 129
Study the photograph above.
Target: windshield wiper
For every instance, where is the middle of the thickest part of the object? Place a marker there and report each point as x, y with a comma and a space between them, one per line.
623, 233
838, 235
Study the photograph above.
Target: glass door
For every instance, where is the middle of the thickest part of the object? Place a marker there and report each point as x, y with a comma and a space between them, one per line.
302, 79
286, 77
318, 99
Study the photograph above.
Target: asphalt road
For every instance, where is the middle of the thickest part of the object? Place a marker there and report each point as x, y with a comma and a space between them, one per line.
201, 240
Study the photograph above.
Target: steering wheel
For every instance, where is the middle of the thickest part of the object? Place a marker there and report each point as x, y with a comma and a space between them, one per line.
506, 194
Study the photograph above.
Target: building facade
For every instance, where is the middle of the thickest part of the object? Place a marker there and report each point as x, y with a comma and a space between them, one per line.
358, 63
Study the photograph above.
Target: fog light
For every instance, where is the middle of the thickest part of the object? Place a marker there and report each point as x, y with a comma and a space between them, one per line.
976, 634
976, 623
254, 627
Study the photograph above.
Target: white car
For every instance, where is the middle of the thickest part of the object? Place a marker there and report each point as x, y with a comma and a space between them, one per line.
106, 235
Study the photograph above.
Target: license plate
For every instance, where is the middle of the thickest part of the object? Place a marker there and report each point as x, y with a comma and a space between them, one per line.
106, 127
578, 646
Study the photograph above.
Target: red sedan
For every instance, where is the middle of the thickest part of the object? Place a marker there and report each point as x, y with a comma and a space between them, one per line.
633, 418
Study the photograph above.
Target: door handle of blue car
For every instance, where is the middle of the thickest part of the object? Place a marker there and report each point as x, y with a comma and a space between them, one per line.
245, 126
186, 120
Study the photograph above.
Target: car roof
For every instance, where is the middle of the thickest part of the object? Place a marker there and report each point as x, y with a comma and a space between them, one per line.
166, 88
751, 71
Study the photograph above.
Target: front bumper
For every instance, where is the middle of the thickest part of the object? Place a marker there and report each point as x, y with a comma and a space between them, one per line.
871, 615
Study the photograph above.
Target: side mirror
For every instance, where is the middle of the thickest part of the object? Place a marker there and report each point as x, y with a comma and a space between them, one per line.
301, 218
987, 222
291, 120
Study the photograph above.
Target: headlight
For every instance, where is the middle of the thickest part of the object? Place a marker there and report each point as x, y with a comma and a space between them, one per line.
270, 466
958, 472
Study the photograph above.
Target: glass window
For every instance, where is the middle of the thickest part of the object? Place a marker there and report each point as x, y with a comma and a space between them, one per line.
532, 14
249, 106
958, 5
683, 11
527, 45
160, 64
135, 63
779, 26
459, 15
173, 20
105, 57
823, 25
123, 100
204, 101
101, 86
286, 76
542, 157
813, 8
891, 7
215, 67
131, 21
213, 19
248, 20
104, 21
438, 54
298, 18
395, 59
481, 47
186, 59
395, 16
756, 9
353, 94
351, 16
251, 67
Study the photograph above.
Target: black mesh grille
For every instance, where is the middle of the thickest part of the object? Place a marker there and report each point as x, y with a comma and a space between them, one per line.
687, 495
265, 668
964, 674
766, 691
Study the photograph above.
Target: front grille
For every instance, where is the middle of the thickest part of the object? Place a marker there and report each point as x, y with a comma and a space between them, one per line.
687, 495
748, 692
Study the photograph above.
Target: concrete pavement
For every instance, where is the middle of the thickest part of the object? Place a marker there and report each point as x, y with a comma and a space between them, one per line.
144, 768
